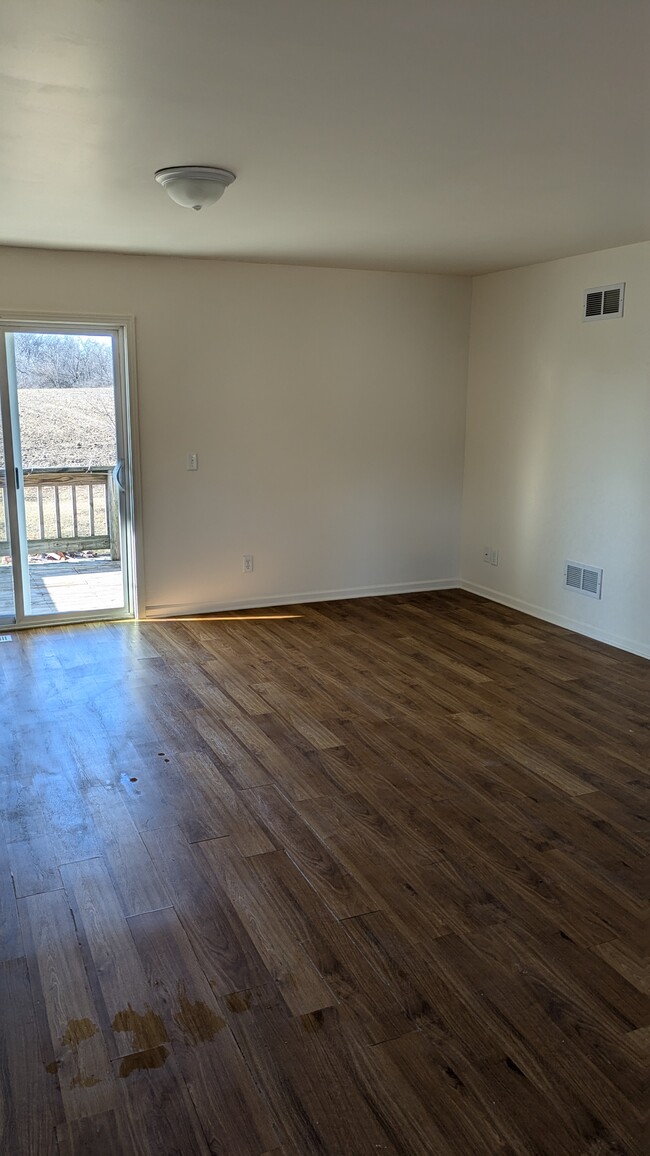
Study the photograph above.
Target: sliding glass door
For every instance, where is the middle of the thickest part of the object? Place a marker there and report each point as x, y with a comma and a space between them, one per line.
65, 518
7, 601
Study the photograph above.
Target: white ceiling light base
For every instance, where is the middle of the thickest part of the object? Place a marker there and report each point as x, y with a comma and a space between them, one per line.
194, 186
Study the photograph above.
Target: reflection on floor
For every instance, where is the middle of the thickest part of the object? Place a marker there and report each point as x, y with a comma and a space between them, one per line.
78, 584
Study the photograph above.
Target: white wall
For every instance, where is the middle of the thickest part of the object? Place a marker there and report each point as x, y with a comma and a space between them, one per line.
558, 443
327, 408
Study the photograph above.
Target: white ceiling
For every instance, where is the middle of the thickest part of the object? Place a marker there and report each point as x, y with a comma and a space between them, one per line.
444, 135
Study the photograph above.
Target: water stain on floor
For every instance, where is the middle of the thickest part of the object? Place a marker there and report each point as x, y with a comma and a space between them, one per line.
77, 1031
147, 1028
80, 1081
196, 1020
154, 1058
239, 1002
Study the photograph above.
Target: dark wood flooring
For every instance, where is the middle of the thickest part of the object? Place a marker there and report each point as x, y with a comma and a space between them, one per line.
337, 880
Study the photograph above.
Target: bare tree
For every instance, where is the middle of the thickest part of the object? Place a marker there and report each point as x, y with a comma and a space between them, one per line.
62, 361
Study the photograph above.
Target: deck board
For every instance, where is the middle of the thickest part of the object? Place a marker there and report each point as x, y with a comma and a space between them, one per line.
75, 585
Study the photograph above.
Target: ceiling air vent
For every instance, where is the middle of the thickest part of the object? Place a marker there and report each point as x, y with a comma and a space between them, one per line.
585, 579
604, 302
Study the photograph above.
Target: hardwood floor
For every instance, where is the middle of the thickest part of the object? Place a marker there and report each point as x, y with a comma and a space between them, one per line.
335, 880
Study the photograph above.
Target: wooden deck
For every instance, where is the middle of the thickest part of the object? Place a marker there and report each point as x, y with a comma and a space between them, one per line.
355, 878
82, 584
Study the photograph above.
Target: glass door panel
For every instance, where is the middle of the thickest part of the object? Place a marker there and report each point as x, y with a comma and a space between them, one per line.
66, 405
7, 602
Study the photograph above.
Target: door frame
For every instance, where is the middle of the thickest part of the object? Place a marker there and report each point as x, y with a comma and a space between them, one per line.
126, 414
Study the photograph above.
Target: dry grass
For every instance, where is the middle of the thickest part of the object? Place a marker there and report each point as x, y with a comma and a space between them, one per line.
66, 427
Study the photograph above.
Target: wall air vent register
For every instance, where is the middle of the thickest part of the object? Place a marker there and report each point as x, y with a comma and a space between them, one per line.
604, 302
584, 579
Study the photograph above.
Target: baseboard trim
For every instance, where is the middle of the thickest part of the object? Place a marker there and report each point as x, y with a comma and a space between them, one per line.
620, 642
169, 610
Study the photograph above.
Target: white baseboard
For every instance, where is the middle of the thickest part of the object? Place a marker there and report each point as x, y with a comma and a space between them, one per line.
585, 628
169, 610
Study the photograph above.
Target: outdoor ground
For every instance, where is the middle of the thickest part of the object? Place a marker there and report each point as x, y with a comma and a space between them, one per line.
67, 427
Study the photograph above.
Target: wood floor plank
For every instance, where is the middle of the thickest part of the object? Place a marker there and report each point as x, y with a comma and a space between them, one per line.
639, 1039
11, 944
229, 683
23, 1079
453, 1115
624, 810
586, 1021
130, 866
510, 1097
219, 939
234, 1118
43, 800
389, 889
122, 993
234, 758
154, 1116
156, 1106
540, 762
427, 997
342, 893
72, 1046
346, 970
299, 1063
102, 1134
536, 1044
632, 966
232, 806
157, 794
34, 865
302, 988
291, 708
296, 780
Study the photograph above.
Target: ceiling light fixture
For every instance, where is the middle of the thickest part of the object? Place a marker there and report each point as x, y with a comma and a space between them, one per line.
194, 186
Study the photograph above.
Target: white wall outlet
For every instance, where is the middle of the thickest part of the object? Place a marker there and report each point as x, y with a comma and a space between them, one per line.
192, 462
247, 563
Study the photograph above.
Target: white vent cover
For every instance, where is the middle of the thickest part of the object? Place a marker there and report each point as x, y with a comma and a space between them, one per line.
604, 302
5, 638
585, 579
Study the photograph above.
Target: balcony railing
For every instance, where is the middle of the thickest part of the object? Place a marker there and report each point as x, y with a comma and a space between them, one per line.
67, 511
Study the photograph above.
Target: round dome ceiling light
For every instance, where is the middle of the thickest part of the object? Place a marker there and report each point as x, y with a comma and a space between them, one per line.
194, 186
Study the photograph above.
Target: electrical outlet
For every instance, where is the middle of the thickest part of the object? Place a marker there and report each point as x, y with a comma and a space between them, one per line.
247, 563
192, 462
